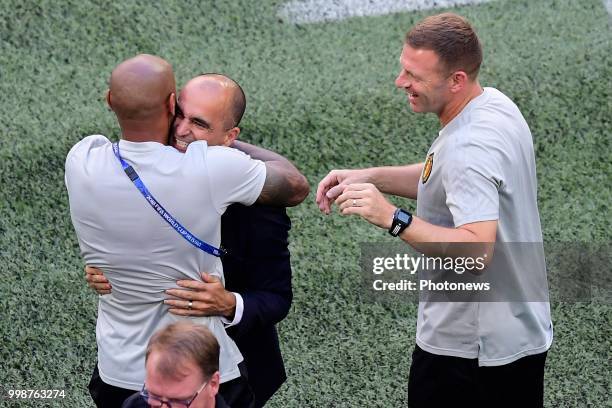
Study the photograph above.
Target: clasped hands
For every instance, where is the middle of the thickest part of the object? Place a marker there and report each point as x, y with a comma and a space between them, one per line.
354, 195
194, 298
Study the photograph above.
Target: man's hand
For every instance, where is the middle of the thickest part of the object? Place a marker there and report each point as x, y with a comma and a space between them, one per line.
206, 298
334, 184
97, 281
365, 200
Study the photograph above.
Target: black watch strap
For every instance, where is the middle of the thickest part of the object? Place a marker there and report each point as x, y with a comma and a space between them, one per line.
401, 221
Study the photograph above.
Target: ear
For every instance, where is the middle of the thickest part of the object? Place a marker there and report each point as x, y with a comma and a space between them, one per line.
214, 383
172, 103
231, 136
108, 99
458, 79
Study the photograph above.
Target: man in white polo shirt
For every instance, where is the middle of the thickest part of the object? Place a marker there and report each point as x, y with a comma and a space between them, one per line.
477, 185
142, 254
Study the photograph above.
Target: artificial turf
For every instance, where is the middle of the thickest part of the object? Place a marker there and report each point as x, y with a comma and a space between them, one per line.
322, 95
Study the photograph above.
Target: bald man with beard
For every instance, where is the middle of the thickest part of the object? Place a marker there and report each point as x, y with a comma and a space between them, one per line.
138, 251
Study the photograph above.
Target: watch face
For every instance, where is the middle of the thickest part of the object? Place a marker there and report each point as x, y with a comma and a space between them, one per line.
403, 217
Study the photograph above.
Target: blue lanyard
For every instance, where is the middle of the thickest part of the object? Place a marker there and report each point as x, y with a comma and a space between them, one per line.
192, 239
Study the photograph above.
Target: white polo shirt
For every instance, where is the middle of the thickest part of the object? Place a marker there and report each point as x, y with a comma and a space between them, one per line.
483, 168
141, 254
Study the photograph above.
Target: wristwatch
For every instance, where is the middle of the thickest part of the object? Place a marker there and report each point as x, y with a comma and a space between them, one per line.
401, 221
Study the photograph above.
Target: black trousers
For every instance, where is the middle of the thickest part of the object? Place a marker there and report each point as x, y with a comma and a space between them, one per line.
235, 393
444, 381
106, 395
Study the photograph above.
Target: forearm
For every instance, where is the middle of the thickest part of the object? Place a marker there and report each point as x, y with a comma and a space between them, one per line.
422, 231
400, 181
263, 308
285, 186
432, 240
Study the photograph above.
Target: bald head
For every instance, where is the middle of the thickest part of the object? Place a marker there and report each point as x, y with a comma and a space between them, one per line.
140, 88
223, 89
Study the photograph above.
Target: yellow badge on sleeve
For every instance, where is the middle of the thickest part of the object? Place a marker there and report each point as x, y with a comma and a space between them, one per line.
427, 168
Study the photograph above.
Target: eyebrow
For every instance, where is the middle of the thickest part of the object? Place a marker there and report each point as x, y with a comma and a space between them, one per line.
196, 120
200, 122
412, 74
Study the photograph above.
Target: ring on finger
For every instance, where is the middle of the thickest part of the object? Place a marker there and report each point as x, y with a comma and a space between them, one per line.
190, 305
354, 203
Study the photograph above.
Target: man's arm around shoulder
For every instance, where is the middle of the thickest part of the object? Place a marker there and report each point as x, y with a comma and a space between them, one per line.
285, 186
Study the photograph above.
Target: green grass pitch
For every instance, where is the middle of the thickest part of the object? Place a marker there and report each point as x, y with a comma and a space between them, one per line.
322, 95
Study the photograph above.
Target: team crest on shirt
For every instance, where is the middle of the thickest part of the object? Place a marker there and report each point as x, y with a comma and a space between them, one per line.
427, 168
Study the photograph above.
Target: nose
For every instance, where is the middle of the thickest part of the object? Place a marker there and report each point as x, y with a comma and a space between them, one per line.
402, 81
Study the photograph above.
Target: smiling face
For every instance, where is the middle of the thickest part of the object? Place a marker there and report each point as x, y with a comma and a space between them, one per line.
204, 113
423, 80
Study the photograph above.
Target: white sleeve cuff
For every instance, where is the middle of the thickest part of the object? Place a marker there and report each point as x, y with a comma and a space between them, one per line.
237, 313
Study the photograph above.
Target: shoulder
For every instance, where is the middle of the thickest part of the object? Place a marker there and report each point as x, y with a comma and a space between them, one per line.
89, 142
219, 155
495, 107
236, 167
497, 96
487, 120
82, 149
227, 153
497, 122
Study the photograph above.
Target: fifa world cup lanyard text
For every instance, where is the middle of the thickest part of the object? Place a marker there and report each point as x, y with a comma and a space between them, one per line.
192, 239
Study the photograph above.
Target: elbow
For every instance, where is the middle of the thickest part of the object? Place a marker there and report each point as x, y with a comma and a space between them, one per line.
285, 306
285, 186
300, 189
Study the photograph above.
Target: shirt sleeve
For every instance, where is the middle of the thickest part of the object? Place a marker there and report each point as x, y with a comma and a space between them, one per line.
234, 176
78, 154
237, 313
473, 177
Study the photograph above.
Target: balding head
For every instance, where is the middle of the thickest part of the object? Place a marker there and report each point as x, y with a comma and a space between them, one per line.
224, 88
210, 108
140, 88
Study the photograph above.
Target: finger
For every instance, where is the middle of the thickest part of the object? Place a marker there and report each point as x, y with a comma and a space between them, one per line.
347, 198
360, 187
182, 294
100, 286
208, 278
354, 202
101, 291
325, 184
363, 203
353, 211
96, 279
325, 205
182, 304
335, 191
186, 312
193, 284
92, 270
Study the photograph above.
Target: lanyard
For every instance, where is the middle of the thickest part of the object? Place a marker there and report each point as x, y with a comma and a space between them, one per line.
192, 239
